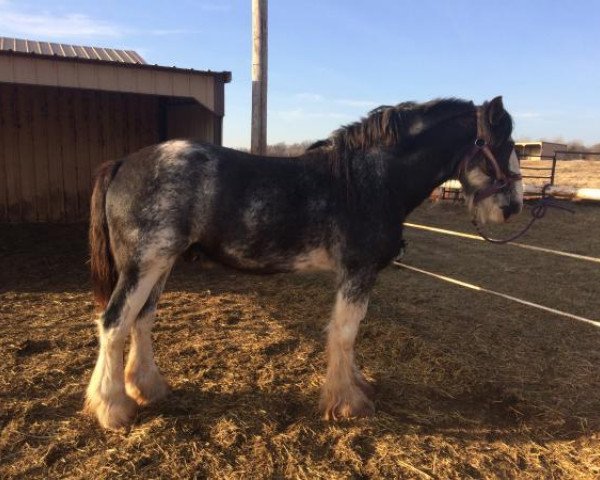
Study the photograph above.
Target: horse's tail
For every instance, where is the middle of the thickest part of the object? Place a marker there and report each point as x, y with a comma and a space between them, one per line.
102, 264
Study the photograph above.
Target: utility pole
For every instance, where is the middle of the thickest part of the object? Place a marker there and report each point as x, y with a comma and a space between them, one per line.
259, 77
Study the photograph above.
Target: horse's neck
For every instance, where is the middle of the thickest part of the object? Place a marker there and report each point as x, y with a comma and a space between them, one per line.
400, 178
415, 174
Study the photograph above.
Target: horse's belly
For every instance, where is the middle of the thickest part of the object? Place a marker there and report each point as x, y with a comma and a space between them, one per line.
315, 259
274, 261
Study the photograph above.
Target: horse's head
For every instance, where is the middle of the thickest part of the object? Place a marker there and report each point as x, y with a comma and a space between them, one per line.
489, 172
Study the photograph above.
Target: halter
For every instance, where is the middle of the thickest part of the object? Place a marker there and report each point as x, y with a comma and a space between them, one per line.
501, 182
502, 179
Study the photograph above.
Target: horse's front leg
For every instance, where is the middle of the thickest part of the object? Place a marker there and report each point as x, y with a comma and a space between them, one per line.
346, 392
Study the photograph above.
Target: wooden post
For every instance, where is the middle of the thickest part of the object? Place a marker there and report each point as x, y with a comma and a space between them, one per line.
259, 77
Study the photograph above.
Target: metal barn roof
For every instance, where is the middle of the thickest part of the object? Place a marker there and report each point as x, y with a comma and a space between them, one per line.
70, 51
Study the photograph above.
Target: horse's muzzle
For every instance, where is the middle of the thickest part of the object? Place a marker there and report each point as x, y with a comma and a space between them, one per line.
511, 209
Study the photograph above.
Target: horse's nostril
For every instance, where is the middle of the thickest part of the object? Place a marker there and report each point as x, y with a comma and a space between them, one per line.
511, 209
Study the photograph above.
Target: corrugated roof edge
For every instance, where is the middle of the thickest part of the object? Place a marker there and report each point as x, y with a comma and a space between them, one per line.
225, 76
65, 50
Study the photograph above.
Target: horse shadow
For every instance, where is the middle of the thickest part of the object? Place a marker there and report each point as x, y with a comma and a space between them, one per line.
544, 390
428, 375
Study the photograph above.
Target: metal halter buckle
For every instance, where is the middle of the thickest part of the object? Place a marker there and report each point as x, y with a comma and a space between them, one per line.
480, 142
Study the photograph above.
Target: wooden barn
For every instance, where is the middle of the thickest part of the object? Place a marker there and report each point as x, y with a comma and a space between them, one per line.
65, 109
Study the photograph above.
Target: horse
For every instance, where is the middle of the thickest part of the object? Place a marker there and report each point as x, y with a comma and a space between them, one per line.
339, 206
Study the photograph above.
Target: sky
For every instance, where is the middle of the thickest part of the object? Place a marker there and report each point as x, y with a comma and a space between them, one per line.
331, 61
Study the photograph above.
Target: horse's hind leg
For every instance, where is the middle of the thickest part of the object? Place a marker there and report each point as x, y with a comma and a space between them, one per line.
143, 381
106, 396
345, 392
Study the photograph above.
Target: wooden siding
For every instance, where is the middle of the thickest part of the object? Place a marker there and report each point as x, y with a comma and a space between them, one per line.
205, 88
191, 121
53, 139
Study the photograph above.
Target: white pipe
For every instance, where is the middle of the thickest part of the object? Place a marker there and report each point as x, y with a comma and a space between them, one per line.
498, 294
566, 191
591, 194
516, 244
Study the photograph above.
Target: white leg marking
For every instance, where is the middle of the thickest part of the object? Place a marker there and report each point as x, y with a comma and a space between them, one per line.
106, 396
143, 381
345, 392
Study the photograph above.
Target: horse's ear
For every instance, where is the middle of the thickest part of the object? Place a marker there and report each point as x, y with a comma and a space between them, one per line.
496, 111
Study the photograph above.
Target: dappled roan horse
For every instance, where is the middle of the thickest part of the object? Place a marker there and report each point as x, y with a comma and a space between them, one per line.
340, 206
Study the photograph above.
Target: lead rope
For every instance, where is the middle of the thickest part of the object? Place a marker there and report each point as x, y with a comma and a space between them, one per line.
538, 211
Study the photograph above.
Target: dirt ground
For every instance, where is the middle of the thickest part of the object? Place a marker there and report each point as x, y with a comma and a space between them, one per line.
468, 385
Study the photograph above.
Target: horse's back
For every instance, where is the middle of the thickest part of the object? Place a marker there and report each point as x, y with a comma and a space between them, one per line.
249, 211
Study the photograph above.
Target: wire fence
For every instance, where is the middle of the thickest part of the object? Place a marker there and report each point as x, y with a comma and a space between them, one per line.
539, 170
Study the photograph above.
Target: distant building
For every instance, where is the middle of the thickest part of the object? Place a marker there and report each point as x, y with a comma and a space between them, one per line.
538, 150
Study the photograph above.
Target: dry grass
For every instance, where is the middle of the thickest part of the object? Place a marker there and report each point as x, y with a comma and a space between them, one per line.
468, 386
571, 173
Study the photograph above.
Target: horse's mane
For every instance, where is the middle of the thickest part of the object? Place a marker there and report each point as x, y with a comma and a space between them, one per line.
387, 126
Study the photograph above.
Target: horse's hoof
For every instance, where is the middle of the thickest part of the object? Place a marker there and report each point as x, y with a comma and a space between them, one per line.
113, 414
149, 390
352, 405
366, 387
